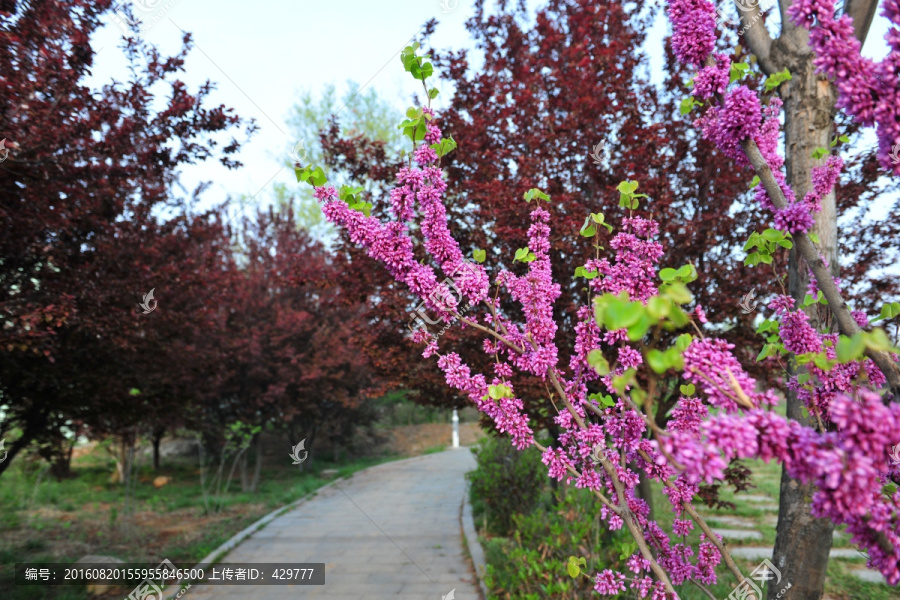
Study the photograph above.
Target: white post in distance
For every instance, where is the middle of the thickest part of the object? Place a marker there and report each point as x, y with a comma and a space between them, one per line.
455, 429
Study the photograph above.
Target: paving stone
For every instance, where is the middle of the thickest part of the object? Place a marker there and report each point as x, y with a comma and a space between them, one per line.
732, 521
845, 553
753, 497
759, 552
751, 552
869, 575
738, 534
391, 531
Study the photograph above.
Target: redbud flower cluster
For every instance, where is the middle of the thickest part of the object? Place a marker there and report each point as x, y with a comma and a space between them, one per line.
605, 446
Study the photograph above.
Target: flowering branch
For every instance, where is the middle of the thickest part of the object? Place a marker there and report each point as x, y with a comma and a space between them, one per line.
825, 282
608, 429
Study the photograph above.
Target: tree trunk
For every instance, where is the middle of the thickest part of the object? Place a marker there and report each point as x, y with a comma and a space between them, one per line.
250, 482
245, 476
61, 465
123, 457
257, 470
29, 433
802, 542
157, 438
307, 464
644, 491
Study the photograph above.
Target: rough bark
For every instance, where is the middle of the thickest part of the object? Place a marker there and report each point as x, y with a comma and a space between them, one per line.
802, 542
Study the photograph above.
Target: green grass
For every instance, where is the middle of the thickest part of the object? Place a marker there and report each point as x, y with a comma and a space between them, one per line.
60, 521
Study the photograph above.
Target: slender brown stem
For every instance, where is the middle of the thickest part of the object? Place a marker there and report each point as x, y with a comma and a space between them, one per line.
491, 332
606, 501
704, 590
689, 508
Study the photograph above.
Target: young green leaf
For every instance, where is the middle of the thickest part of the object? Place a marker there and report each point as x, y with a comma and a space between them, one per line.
444, 147
597, 362
583, 272
776, 79
621, 315
688, 104
536, 193
524, 255
496, 392
737, 71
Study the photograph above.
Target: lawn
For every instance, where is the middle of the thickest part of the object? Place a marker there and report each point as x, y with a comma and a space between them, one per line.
61, 521
44, 520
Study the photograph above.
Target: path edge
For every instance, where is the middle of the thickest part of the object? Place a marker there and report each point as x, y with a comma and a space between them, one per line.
173, 590
476, 552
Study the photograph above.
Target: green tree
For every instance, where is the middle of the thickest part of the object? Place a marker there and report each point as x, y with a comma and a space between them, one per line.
356, 113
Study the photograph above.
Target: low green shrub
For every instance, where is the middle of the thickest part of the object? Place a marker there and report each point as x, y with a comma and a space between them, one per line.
530, 530
506, 483
531, 564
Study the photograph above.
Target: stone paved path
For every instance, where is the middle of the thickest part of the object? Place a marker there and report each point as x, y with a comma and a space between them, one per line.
742, 528
391, 531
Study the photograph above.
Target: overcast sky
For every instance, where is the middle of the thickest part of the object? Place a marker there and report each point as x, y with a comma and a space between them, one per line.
262, 54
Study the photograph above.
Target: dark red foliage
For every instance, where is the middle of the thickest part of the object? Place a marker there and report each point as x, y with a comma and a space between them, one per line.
285, 349
90, 222
546, 96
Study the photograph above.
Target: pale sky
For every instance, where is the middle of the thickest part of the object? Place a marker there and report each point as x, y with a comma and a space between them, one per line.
262, 54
